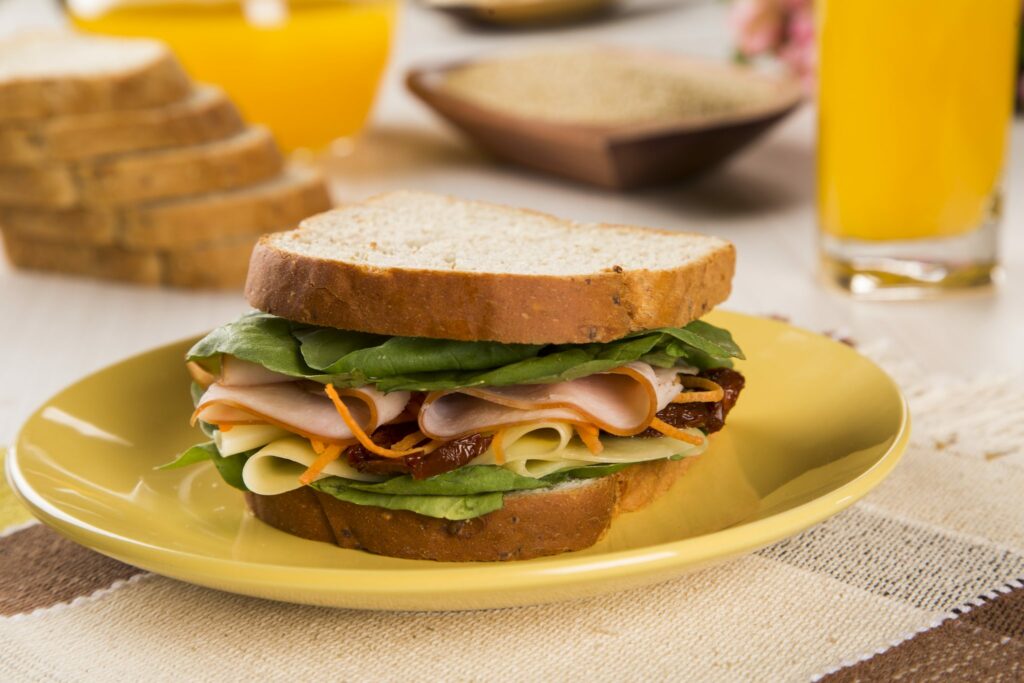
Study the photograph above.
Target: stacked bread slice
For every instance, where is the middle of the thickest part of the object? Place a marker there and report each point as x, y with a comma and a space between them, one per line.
114, 165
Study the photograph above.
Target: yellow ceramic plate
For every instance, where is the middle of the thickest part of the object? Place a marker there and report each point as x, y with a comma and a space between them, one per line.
817, 428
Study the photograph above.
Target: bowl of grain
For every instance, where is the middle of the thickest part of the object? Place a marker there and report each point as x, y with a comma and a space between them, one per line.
513, 13
614, 117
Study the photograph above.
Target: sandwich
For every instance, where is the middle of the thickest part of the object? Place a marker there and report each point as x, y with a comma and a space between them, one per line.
430, 378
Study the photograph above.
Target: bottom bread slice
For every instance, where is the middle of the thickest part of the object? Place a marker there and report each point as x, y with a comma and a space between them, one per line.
106, 262
568, 517
219, 265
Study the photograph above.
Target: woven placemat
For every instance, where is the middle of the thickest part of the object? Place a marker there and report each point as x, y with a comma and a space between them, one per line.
919, 581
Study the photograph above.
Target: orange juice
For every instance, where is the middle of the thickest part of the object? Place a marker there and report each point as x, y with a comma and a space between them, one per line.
309, 69
915, 102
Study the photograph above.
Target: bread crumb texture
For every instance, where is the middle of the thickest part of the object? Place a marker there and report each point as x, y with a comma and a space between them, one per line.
66, 55
422, 231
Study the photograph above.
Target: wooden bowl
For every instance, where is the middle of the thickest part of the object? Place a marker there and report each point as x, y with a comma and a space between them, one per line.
616, 156
510, 13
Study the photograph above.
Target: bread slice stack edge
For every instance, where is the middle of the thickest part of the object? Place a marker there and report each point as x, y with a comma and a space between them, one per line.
114, 165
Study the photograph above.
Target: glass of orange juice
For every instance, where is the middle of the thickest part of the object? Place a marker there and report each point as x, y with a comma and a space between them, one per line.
308, 69
915, 100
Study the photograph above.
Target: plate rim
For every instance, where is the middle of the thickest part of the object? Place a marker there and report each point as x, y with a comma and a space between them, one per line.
471, 577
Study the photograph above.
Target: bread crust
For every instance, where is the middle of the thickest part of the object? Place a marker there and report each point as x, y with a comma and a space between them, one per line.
509, 308
244, 159
180, 224
246, 212
104, 262
205, 116
530, 524
161, 81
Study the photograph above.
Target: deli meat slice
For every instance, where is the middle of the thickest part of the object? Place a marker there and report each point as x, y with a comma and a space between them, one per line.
297, 408
621, 402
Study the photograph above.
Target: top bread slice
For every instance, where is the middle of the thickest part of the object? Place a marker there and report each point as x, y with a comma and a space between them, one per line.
54, 74
420, 264
203, 116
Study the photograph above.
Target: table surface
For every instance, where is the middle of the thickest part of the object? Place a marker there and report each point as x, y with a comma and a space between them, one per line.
59, 329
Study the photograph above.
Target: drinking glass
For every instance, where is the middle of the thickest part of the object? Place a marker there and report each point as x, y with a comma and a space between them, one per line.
308, 69
915, 102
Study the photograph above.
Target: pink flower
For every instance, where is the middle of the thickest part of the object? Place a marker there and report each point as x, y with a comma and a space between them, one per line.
783, 29
758, 26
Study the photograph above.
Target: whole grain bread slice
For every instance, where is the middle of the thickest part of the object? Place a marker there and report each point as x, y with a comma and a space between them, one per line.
106, 262
530, 524
219, 264
179, 224
203, 116
420, 264
61, 73
76, 225
248, 211
243, 159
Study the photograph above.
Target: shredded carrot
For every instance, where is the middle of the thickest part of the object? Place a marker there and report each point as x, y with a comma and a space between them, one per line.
498, 444
361, 435
591, 438
318, 446
225, 427
409, 441
675, 433
713, 394
326, 457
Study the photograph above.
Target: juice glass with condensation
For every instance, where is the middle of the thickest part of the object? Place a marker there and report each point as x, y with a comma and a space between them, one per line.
308, 69
915, 100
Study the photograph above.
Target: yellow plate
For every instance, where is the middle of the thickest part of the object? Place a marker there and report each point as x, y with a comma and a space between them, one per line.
817, 428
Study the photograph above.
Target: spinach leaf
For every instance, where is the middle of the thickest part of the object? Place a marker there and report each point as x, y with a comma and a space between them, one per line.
714, 341
402, 355
346, 359
258, 338
460, 494
463, 493
459, 482
325, 347
587, 472
229, 468
442, 507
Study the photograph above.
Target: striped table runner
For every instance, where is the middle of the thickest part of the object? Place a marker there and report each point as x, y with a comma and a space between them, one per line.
920, 581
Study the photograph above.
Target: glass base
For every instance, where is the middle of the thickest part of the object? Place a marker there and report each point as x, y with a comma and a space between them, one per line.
913, 269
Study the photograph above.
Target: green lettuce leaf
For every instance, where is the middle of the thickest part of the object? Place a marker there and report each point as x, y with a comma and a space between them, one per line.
229, 468
460, 494
459, 482
404, 355
442, 507
346, 358
463, 493
325, 347
705, 337
586, 472
258, 338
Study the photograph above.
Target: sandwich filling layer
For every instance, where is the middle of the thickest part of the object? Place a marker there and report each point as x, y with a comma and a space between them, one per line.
446, 428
